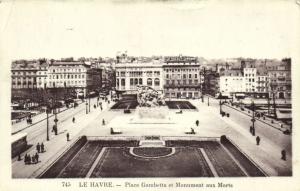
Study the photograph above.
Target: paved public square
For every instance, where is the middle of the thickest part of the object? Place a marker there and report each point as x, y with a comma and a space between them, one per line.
267, 155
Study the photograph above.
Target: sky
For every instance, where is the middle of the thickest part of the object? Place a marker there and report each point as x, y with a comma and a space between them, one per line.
210, 29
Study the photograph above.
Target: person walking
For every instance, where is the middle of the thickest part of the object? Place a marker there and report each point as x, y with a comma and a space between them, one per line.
283, 155
103, 122
38, 147
26, 159
33, 159
68, 136
42, 147
257, 140
197, 123
36, 156
94, 106
73, 120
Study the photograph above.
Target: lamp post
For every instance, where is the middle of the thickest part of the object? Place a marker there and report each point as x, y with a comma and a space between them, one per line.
89, 103
47, 112
253, 117
55, 111
207, 101
220, 102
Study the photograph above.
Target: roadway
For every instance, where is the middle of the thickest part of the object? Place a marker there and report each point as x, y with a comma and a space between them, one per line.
266, 132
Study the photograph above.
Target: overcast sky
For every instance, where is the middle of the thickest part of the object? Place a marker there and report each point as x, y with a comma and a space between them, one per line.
211, 29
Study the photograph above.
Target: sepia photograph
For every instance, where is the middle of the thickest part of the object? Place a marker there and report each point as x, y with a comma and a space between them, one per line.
187, 94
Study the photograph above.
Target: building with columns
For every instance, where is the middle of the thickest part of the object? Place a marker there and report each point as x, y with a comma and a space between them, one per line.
131, 74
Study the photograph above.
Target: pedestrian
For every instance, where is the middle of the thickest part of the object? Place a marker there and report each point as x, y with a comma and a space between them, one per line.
29, 159
55, 129
42, 147
33, 159
94, 106
192, 131
36, 156
257, 140
68, 136
101, 108
103, 122
197, 123
283, 155
38, 147
26, 159
73, 119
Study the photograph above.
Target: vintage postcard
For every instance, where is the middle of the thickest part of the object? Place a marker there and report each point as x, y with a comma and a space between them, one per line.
149, 95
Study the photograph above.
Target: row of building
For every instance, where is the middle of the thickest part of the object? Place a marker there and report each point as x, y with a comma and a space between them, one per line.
186, 77
256, 78
173, 76
49, 74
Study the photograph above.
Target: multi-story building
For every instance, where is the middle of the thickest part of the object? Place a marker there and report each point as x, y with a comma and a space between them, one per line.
74, 74
131, 74
262, 83
28, 80
280, 80
250, 80
182, 77
232, 82
28, 75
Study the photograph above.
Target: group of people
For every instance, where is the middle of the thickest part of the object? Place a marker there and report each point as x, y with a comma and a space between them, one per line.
31, 159
29, 120
40, 148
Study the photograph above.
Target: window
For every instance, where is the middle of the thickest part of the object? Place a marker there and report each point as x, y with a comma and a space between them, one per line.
140, 81
190, 75
156, 82
195, 75
149, 81
131, 82
122, 82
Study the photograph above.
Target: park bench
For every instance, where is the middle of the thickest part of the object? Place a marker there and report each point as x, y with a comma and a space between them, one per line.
115, 131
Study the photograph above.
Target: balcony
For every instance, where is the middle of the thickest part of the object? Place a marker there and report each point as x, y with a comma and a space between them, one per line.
182, 86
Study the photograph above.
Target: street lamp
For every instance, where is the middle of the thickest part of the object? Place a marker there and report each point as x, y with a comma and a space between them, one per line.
47, 112
207, 101
220, 102
253, 117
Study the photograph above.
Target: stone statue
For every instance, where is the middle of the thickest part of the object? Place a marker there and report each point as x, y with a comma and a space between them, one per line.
149, 97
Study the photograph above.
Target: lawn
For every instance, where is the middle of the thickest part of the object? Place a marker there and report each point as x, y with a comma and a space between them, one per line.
186, 162
180, 105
